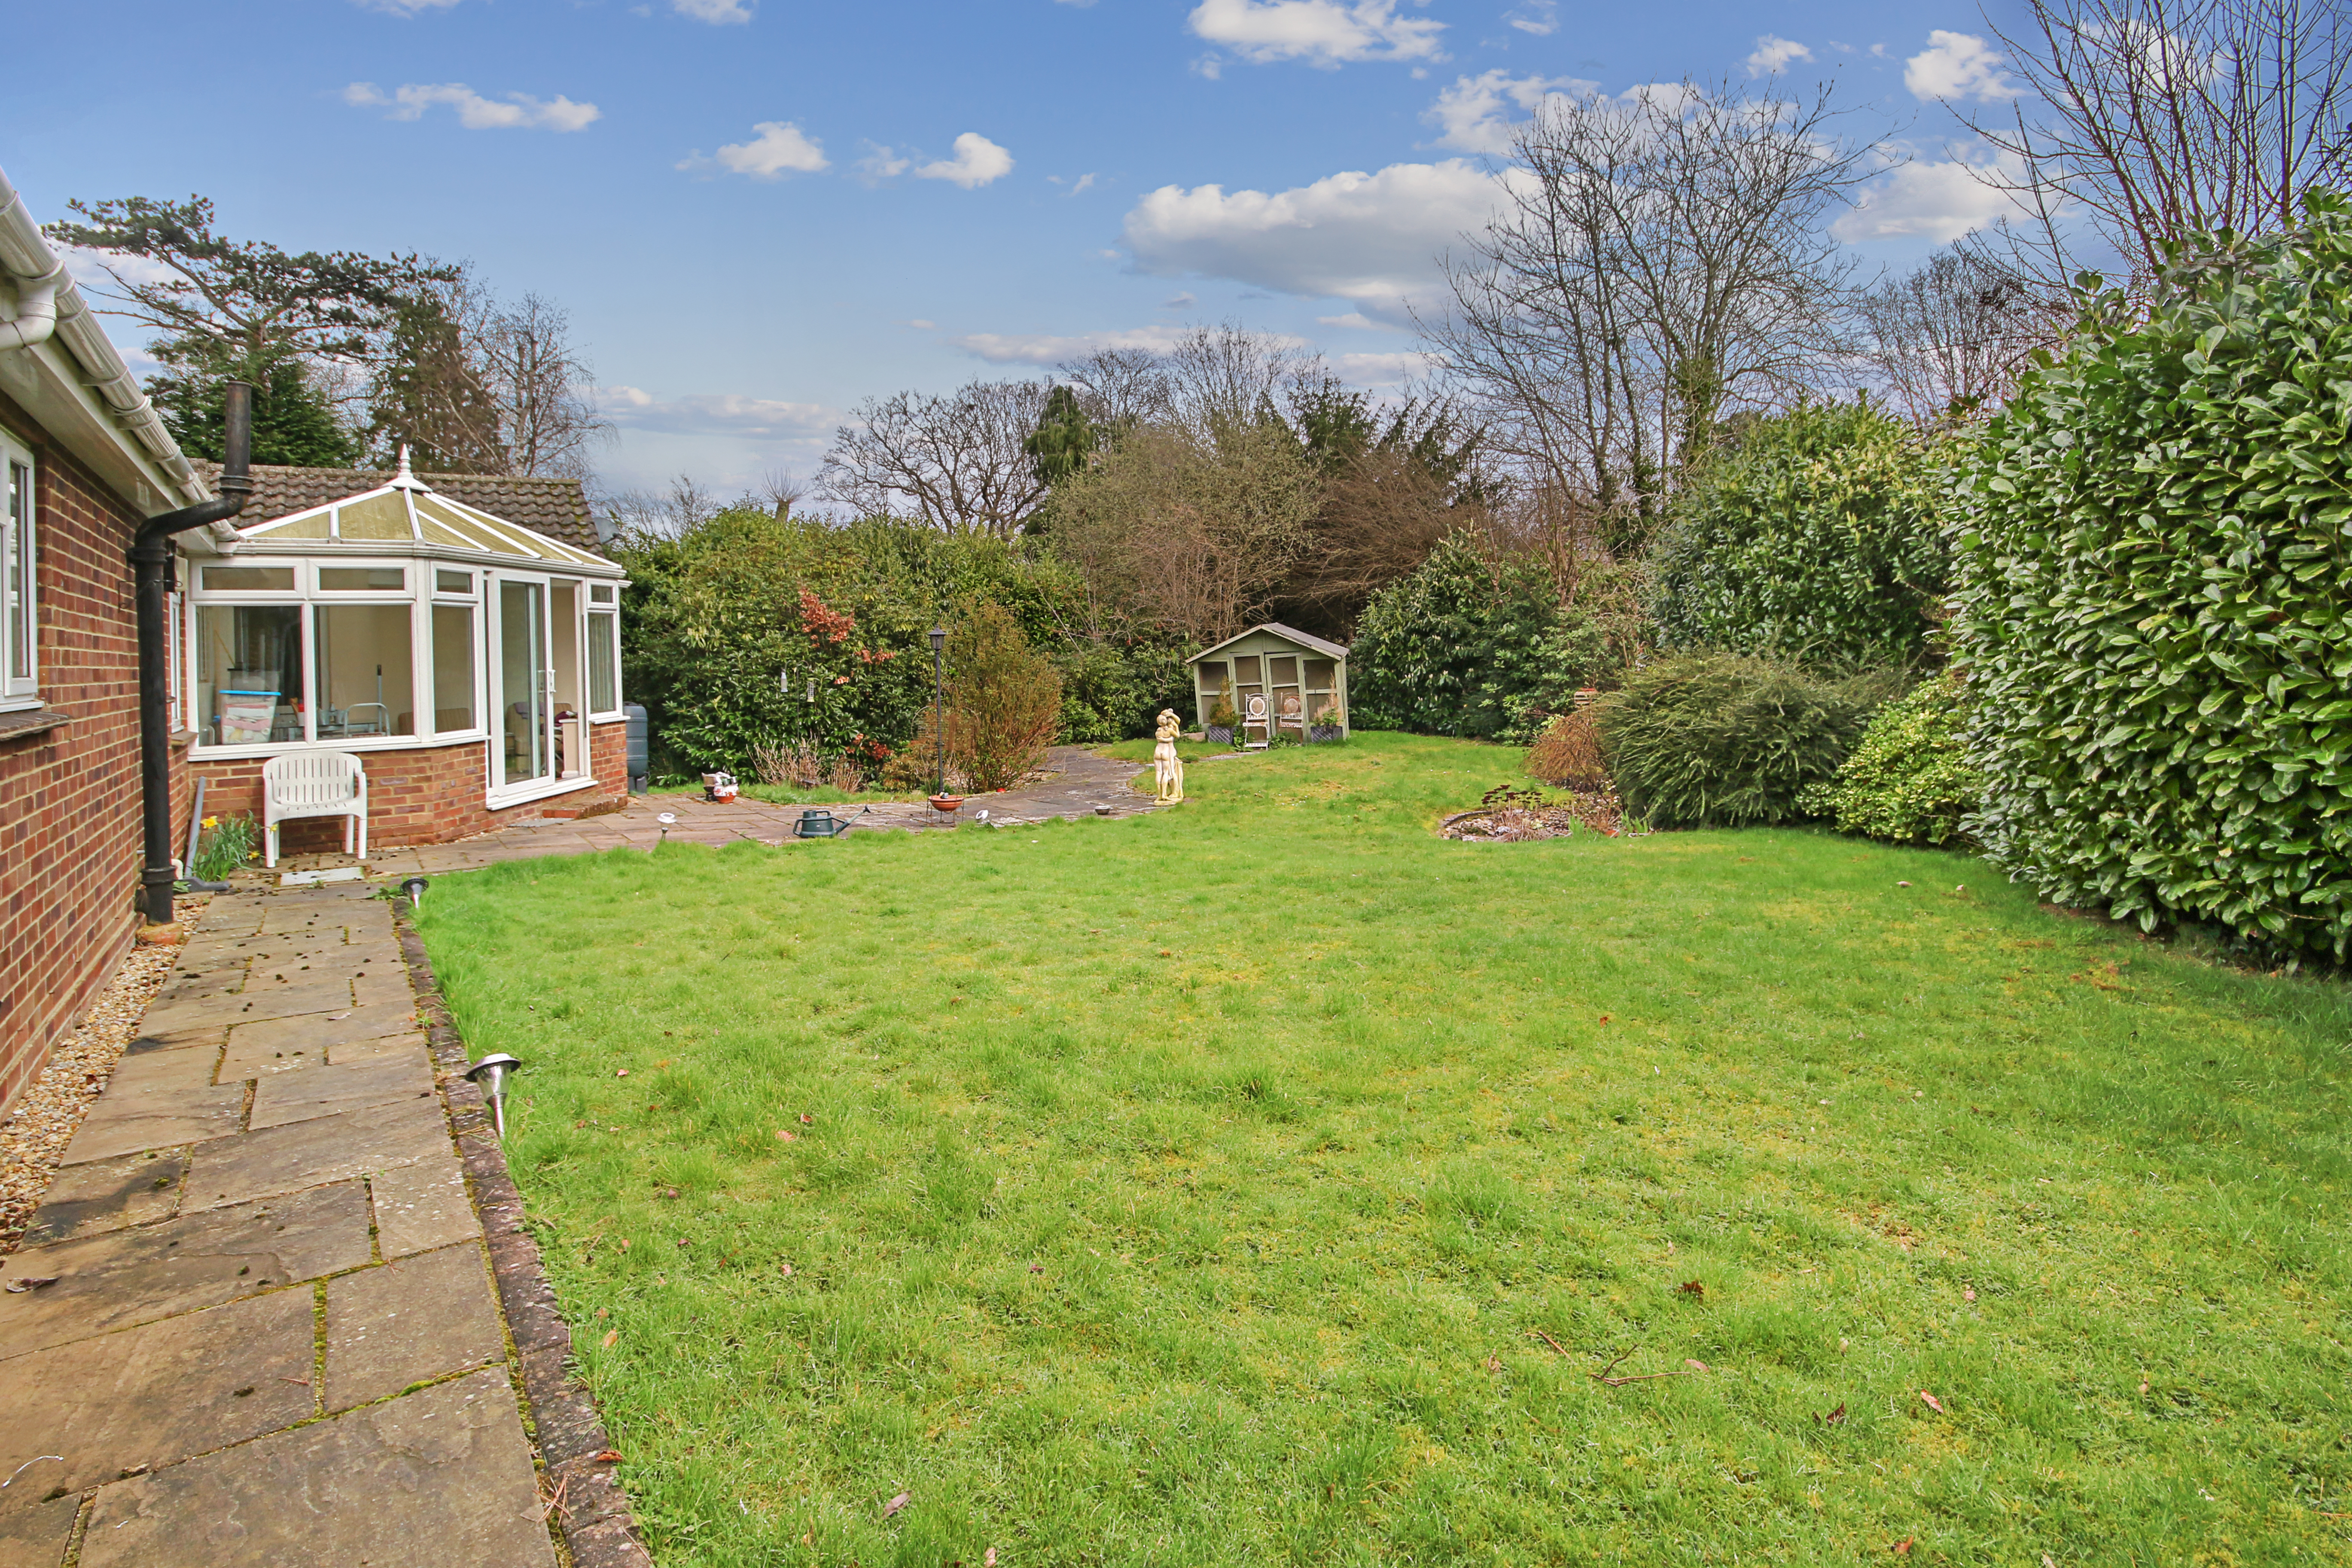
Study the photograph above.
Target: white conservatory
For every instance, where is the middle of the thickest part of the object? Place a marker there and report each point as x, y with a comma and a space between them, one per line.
472, 664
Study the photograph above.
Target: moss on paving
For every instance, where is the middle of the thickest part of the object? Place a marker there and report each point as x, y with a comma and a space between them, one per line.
1191, 1189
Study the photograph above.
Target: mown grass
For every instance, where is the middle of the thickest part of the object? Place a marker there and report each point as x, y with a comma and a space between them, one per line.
1192, 1188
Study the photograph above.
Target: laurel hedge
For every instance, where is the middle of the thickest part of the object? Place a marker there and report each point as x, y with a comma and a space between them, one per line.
2154, 600
1816, 534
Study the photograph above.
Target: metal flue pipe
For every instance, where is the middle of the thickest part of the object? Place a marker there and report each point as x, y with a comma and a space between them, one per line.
151, 559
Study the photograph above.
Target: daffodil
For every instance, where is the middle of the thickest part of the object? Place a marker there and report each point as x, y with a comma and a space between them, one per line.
212, 822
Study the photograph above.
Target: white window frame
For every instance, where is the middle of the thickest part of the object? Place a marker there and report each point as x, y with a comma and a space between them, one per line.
590, 611
309, 598
20, 598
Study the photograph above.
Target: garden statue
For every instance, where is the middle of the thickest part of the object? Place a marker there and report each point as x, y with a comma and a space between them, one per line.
1166, 769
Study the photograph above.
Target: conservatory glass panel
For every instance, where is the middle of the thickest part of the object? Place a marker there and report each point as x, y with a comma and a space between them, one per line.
445, 582
453, 668
249, 688
366, 681
604, 663
249, 579
311, 527
363, 580
376, 517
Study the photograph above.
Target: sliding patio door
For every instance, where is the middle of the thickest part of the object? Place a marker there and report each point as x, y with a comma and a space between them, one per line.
523, 738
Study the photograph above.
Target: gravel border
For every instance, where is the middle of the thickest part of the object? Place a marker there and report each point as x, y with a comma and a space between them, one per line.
599, 1529
49, 1113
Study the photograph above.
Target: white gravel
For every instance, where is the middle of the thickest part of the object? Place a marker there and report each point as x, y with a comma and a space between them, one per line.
45, 1117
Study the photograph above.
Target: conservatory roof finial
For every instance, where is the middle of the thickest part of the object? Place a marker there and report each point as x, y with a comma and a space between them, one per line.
405, 478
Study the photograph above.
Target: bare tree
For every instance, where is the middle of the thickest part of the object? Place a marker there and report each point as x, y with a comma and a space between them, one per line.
2158, 118
1228, 375
1950, 337
478, 386
957, 461
1121, 388
1665, 259
642, 516
1189, 533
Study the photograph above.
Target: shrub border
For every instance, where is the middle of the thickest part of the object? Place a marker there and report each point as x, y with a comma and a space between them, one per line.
599, 1529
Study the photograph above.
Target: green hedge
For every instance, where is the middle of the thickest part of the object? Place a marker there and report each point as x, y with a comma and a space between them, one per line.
2154, 579
1729, 741
1909, 779
1814, 535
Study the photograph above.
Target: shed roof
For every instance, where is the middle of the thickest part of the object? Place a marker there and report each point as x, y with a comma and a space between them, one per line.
1289, 634
555, 507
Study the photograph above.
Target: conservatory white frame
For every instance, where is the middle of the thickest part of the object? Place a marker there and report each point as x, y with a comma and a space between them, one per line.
520, 558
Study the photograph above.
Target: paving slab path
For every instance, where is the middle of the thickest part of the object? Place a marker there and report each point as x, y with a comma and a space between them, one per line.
1077, 784
256, 1319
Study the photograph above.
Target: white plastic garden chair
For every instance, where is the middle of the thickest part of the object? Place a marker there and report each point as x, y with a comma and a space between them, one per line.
1255, 717
313, 784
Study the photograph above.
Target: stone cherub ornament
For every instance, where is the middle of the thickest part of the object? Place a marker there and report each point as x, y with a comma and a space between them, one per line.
1168, 770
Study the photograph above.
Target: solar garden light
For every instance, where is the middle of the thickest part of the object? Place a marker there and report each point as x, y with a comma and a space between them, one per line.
666, 818
491, 1073
415, 888
940, 685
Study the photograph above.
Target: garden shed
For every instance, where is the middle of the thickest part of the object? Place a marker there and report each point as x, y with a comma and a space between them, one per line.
472, 664
1279, 681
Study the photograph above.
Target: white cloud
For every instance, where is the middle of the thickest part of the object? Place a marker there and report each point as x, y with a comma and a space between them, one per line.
407, 7
1540, 17
1956, 66
1355, 319
518, 112
1371, 240
718, 13
1044, 348
715, 413
1939, 201
1323, 33
922, 325
977, 162
778, 150
1773, 54
1471, 114
1183, 302
881, 163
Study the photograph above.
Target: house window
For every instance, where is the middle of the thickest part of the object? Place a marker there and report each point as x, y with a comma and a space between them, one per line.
365, 685
20, 639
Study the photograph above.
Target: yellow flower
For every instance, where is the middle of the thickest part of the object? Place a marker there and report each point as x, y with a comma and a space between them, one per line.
212, 822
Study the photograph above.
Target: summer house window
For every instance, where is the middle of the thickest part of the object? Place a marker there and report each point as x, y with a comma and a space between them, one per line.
20, 637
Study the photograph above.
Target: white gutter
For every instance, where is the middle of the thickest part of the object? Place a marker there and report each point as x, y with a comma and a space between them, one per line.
49, 306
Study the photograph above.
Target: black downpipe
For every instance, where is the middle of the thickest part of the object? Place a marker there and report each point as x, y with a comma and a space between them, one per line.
151, 559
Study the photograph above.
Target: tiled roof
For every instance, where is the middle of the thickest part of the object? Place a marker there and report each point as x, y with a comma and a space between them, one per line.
556, 508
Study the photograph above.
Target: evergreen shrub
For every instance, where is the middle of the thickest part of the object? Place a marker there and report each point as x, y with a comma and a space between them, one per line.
1718, 739
1909, 779
2155, 600
1813, 535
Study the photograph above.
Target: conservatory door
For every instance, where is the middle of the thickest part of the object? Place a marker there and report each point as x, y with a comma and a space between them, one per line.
522, 739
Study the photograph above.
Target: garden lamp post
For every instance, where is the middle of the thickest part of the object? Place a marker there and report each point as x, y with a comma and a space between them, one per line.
491, 1074
939, 711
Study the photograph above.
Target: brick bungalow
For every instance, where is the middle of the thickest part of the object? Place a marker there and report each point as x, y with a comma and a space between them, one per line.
83, 461
459, 634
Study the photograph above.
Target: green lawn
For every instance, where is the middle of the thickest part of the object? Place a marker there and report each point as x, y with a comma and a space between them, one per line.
1194, 1188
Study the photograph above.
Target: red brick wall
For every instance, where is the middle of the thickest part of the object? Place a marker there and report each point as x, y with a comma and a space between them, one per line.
69, 804
430, 795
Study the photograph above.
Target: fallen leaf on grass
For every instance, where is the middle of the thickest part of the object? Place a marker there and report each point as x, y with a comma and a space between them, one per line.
807, 1120
623, 1073
1693, 1287
18, 1287
786, 1137
788, 1270
1696, 1365
1834, 1417
990, 1561
1931, 1402
1494, 1364
1968, 1293
606, 1456
1903, 1547
895, 1503
1036, 1269
612, 1337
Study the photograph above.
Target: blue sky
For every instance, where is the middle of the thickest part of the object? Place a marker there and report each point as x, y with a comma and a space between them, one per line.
761, 211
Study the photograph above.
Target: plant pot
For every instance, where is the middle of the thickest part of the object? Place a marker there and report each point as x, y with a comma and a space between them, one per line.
1218, 734
1319, 733
947, 803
